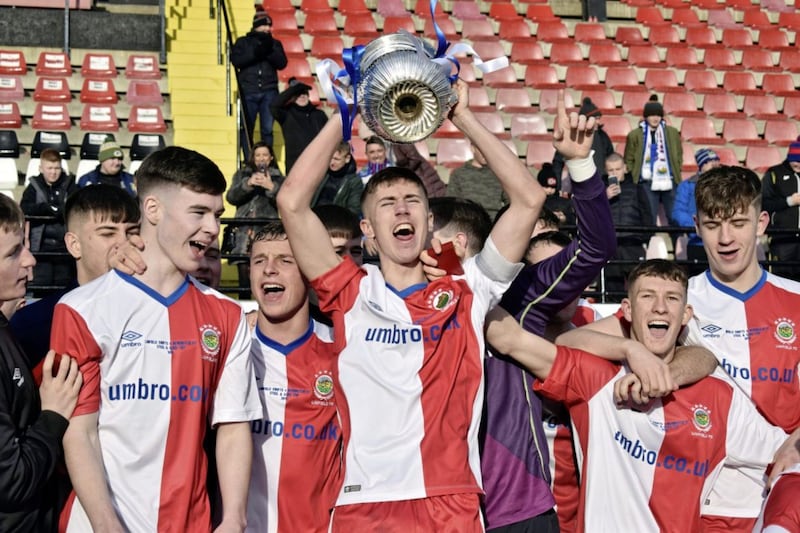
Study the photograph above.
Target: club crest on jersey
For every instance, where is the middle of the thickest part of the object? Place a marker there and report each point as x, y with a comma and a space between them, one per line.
784, 331
701, 418
323, 385
441, 299
209, 340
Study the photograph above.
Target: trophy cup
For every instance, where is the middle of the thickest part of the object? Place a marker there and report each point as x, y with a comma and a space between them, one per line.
403, 94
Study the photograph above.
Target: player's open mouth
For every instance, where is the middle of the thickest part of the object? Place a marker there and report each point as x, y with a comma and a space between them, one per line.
199, 246
727, 254
658, 328
403, 231
272, 290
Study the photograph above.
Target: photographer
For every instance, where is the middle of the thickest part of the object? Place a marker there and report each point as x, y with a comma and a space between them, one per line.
258, 56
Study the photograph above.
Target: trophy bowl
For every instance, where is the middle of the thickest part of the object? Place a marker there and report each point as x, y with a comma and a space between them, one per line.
403, 95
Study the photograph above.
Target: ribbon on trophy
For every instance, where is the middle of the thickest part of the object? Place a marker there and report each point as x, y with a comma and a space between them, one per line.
343, 85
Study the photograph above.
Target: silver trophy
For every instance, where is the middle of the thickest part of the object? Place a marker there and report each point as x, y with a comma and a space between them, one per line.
403, 95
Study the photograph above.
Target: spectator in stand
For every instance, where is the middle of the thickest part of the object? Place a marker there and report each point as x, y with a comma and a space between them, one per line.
685, 208
110, 171
556, 202
629, 207
475, 181
258, 56
654, 155
252, 191
601, 144
407, 156
45, 196
377, 158
32, 422
781, 196
341, 186
300, 120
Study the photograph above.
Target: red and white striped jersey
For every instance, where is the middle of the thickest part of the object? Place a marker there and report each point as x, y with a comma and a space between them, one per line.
781, 512
754, 336
648, 470
156, 370
296, 463
409, 380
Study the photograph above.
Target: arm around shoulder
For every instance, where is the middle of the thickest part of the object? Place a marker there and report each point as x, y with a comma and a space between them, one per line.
506, 336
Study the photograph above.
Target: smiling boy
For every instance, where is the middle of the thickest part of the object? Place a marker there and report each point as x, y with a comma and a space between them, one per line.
161, 354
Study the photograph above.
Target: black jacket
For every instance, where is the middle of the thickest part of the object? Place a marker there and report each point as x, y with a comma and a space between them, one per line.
30, 447
42, 199
630, 208
300, 124
778, 184
258, 56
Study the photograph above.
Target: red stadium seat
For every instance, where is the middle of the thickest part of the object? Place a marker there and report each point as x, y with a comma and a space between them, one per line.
590, 33
542, 77
702, 82
395, 24
682, 58
11, 89
12, 63
780, 132
742, 5
309, 6
644, 56
503, 11
477, 30
548, 101
699, 130
778, 84
467, 10
448, 130
144, 92
741, 132
327, 46
299, 70
528, 53
479, 99
664, 36
539, 152
489, 50
146, 119
603, 99
452, 153
686, 17
681, 105
604, 54
275, 6
757, 19
633, 102
622, 79
346, 7
98, 66
10, 117
360, 24
617, 127
504, 77
494, 123
720, 59
100, 91
629, 35
790, 60
702, 37
650, 16
52, 90
727, 156
99, 118
721, 18
721, 106
761, 107
320, 23
445, 24
553, 32
422, 8
791, 107
513, 100
51, 117
392, 8
529, 127
144, 67
514, 30
662, 80
737, 38
582, 77
293, 46
757, 60
53, 64
740, 83
774, 39
540, 13
566, 54
760, 158
284, 24
789, 20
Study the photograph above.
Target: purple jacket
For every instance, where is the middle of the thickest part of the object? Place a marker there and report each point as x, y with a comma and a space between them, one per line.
514, 463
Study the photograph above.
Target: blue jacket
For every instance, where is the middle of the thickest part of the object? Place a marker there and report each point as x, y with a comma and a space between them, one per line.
123, 179
684, 208
514, 463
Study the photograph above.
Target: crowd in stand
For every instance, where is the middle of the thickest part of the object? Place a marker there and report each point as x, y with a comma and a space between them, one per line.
420, 358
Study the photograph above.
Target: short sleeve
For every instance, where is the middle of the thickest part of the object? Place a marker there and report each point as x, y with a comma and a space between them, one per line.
576, 376
337, 288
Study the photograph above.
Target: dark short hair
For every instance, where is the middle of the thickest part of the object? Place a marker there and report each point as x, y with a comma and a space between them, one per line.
175, 165
390, 176
462, 215
723, 191
11, 217
271, 231
50, 154
659, 268
556, 237
339, 221
374, 139
106, 202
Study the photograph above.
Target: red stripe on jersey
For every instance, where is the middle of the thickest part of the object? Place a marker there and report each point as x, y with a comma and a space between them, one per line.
195, 374
774, 354
783, 507
70, 335
566, 489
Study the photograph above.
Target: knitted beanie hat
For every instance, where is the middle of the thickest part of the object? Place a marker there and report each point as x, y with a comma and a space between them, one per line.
109, 150
588, 109
653, 107
705, 155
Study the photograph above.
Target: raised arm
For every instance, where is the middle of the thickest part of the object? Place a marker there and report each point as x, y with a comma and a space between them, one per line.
526, 197
506, 336
313, 250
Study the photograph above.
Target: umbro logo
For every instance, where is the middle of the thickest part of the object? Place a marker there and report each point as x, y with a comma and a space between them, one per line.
130, 336
711, 328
